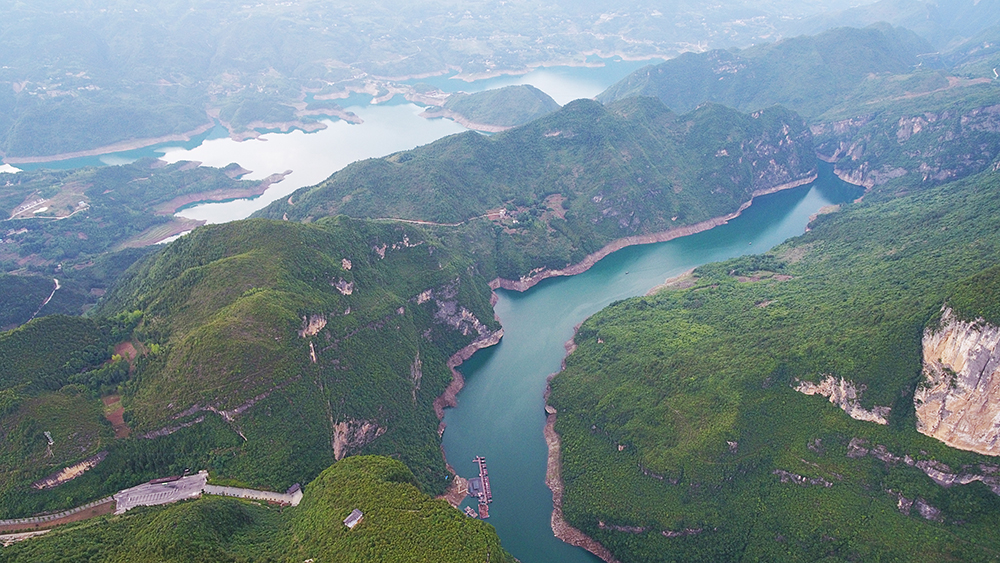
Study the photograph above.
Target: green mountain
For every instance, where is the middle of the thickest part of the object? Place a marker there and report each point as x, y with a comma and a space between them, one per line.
684, 436
943, 24
266, 351
496, 109
564, 185
807, 74
400, 524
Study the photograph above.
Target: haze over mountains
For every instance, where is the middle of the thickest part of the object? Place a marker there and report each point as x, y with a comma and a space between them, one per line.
316, 341
127, 71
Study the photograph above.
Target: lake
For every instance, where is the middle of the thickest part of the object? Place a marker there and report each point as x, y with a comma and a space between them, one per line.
312, 157
500, 413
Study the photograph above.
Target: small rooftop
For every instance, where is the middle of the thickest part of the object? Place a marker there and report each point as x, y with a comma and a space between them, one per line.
353, 520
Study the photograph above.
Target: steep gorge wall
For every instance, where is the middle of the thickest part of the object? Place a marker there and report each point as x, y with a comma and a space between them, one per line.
934, 146
958, 401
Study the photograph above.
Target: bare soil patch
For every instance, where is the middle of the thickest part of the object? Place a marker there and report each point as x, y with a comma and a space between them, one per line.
125, 350
114, 412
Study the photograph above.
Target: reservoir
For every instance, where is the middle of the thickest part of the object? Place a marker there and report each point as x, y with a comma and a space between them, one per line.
500, 413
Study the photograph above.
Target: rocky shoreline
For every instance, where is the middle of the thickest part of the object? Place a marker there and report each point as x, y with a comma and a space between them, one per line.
553, 480
116, 147
172, 206
435, 113
527, 282
449, 399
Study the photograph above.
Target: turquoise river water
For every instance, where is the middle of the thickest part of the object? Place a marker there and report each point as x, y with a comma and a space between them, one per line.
500, 413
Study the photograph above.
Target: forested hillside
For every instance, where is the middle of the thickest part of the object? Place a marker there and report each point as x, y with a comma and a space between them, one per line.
687, 399
262, 350
400, 524
568, 183
807, 74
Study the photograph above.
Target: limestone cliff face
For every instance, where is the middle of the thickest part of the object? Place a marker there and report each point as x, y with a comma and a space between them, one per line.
845, 395
351, 435
958, 401
870, 150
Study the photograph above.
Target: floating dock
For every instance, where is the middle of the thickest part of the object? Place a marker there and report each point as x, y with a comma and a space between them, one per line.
479, 489
484, 493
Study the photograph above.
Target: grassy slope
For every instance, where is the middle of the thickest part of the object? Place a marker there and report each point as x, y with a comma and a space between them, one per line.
631, 168
680, 373
401, 524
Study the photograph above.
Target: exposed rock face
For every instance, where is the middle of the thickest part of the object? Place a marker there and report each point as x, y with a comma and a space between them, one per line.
343, 286
311, 325
789, 477
845, 395
70, 473
959, 399
353, 434
416, 374
940, 473
450, 312
870, 150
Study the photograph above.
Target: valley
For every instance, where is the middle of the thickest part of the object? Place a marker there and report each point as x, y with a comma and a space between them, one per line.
694, 319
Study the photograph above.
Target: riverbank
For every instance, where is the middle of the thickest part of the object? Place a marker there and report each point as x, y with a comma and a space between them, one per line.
553, 480
435, 113
449, 399
527, 282
116, 147
553, 474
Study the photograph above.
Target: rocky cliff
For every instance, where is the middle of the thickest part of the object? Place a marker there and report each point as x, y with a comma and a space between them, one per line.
948, 143
846, 395
958, 401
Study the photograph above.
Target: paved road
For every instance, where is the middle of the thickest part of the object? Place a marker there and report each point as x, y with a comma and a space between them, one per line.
149, 494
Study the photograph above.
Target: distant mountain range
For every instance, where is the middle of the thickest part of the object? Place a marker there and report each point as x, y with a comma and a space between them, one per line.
88, 77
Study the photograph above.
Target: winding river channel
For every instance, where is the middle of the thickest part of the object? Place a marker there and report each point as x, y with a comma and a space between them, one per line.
500, 413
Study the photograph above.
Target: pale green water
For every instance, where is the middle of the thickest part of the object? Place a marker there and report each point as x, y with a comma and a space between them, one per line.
500, 412
312, 157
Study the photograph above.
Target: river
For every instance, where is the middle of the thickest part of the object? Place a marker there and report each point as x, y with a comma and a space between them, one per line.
500, 413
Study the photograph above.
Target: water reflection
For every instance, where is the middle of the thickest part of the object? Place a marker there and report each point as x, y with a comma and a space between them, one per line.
311, 157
